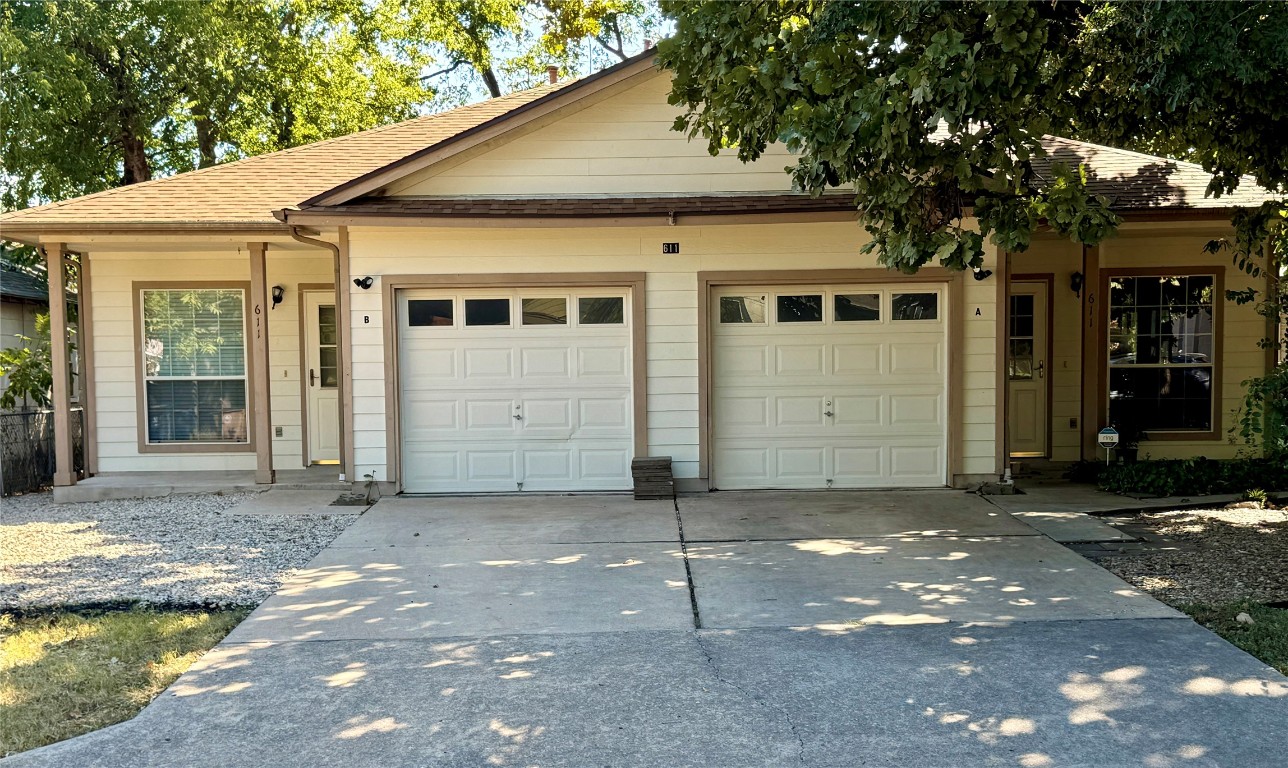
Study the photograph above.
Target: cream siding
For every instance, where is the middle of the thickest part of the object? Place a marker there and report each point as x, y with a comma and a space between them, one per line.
671, 292
621, 145
115, 364
1242, 328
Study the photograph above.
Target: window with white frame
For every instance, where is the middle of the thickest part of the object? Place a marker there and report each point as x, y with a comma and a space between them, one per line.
194, 365
1161, 352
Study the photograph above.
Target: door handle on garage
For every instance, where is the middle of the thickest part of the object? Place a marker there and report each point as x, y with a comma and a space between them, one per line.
828, 413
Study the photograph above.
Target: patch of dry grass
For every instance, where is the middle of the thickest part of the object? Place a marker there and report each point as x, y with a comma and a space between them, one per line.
65, 674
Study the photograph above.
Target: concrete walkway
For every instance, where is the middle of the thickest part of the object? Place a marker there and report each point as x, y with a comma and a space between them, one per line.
831, 629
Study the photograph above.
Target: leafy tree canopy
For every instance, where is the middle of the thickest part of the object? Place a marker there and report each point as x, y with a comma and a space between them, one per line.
934, 111
99, 93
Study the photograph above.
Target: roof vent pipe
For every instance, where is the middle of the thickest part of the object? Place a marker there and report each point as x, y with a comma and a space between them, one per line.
553, 72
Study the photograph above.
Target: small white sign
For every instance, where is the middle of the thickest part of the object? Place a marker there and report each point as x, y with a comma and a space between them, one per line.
1107, 437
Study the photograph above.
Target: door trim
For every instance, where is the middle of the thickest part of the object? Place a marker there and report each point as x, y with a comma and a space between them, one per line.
390, 285
300, 290
1049, 279
954, 289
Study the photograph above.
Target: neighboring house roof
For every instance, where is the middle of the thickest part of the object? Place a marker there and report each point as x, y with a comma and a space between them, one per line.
247, 193
20, 284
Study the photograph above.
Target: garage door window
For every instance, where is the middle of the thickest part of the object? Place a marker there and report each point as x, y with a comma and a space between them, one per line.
553, 311
914, 306
428, 312
857, 307
742, 309
487, 312
601, 310
806, 308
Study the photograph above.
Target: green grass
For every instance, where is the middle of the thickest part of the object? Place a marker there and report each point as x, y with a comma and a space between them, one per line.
1266, 638
65, 674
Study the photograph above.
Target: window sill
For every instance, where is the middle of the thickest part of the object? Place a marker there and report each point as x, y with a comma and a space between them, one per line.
181, 448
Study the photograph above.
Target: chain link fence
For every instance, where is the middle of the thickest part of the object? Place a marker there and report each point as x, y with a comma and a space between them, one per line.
27, 449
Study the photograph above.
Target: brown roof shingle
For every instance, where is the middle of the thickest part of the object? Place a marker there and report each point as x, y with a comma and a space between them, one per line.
248, 191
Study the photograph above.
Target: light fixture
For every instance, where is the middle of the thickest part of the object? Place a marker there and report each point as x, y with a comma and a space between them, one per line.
983, 274
278, 293
364, 282
1075, 283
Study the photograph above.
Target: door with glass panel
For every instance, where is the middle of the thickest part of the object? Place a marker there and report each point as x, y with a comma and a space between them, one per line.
322, 377
1026, 368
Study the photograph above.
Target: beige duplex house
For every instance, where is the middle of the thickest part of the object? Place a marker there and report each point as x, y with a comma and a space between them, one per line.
523, 294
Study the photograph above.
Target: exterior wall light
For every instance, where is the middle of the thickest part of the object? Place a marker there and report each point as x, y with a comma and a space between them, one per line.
364, 282
1075, 283
278, 293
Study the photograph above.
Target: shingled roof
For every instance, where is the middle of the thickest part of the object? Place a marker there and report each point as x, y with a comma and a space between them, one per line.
247, 192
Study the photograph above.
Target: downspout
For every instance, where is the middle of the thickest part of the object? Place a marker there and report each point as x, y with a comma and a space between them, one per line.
335, 267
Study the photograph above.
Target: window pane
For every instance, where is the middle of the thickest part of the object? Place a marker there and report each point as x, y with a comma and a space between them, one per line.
545, 311
1021, 359
205, 411
326, 325
422, 312
194, 333
606, 310
1160, 320
852, 307
328, 369
487, 312
1172, 397
915, 306
742, 309
806, 308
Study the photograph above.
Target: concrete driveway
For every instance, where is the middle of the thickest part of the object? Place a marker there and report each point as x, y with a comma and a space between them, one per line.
830, 629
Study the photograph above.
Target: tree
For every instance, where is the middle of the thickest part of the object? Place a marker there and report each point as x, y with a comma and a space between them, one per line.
934, 112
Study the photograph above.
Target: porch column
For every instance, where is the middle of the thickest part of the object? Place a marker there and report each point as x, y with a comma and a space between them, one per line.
261, 412
64, 465
344, 328
1093, 355
85, 347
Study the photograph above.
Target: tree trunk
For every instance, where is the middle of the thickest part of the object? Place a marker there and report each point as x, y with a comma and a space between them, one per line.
205, 140
489, 78
135, 155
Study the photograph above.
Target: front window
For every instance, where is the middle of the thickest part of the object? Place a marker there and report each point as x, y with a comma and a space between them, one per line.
194, 365
1161, 352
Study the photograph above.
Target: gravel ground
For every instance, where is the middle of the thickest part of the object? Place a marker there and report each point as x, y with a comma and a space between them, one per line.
172, 550
1238, 554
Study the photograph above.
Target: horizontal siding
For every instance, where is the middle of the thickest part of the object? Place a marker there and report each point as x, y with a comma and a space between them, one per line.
114, 351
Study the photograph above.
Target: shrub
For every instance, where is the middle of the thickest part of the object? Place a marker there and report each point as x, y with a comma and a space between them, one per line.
1194, 477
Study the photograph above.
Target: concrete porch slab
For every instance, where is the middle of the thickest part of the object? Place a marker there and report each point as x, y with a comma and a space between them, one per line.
839, 583
1072, 527
1079, 497
455, 521
783, 515
286, 502
349, 593
143, 485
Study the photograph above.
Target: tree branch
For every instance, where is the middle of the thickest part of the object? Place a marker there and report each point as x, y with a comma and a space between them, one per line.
453, 68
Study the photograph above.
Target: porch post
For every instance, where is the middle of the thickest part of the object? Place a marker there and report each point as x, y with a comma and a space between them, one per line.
1093, 354
64, 465
85, 346
344, 329
262, 413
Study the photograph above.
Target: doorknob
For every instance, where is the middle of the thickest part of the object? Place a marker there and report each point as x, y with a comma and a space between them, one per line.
312, 378
828, 412
1041, 368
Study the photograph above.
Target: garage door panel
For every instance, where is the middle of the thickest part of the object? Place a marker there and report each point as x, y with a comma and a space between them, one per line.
881, 380
462, 387
546, 362
799, 360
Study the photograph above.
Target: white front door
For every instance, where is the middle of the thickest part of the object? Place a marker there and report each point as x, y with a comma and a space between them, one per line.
829, 386
515, 390
1026, 366
322, 377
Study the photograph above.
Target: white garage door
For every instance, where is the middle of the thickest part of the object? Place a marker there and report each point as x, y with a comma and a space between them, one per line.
829, 387
515, 390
